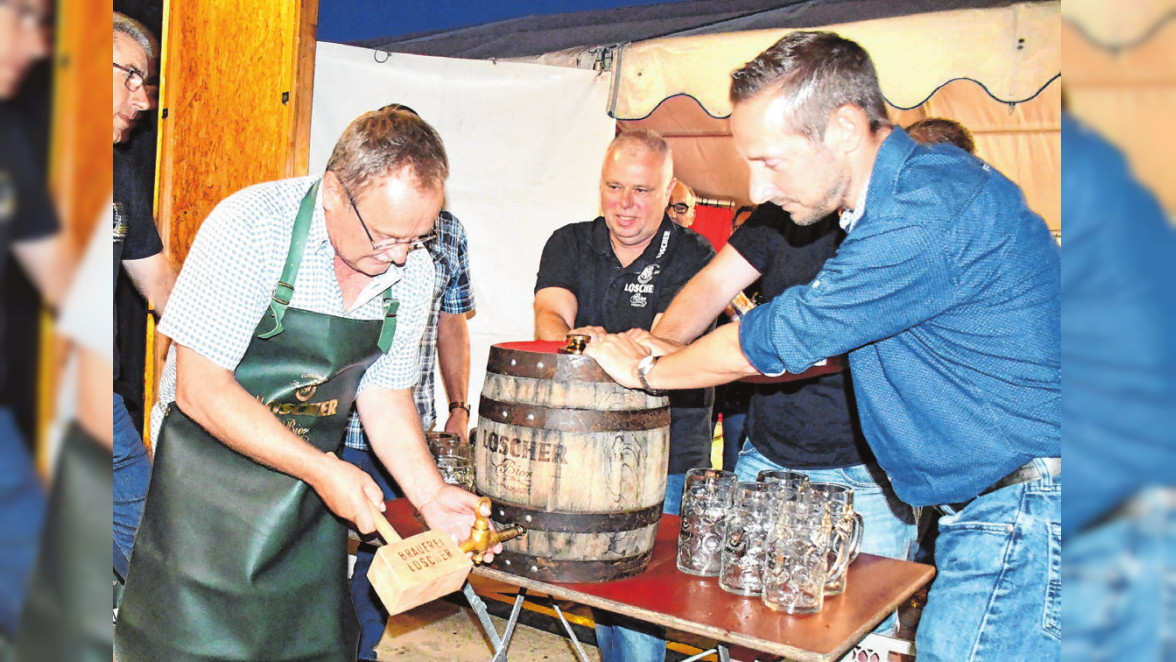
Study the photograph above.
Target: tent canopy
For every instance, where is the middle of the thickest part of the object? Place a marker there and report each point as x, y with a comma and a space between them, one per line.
993, 65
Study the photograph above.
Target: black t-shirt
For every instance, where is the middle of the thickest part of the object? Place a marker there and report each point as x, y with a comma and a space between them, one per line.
813, 423
135, 236
580, 259
26, 213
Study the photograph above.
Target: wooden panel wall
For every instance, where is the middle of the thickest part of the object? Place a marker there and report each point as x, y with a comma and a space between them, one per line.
235, 103
81, 165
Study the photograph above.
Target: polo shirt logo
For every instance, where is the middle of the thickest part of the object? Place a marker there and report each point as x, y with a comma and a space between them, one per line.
120, 223
665, 242
643, 286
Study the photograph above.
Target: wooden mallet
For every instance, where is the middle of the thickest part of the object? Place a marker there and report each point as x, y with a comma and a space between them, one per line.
409, 573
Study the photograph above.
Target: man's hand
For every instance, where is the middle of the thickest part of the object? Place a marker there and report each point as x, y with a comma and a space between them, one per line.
658, 346
451, 510
593, 332
619, 355
347, 489
459, 423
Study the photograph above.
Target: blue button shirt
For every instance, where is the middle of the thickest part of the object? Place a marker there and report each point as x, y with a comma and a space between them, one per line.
1118, 330
946, 294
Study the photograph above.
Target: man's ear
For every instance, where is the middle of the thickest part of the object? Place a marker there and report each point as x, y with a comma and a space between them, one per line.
333, 191
670, 189
847, 129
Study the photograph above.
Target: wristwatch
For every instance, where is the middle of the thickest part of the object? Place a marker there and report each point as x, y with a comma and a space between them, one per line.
643, 367
458, 404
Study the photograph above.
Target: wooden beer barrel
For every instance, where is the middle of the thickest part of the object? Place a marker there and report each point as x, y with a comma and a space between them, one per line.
573, 456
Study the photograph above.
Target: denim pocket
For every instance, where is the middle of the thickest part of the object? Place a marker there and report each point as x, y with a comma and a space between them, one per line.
859, 477
1052, 618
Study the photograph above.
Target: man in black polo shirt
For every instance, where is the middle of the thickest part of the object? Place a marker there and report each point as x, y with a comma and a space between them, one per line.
620, 272
808, 426
138, 250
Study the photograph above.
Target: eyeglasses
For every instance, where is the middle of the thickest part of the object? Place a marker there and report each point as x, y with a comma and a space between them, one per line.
680, 207
413, 244
135, 78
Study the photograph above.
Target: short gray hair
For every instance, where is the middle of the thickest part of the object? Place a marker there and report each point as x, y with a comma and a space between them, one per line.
139, 34
644, 138
382, 142
817, 73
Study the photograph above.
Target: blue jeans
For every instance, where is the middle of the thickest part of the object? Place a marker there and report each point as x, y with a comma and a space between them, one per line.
1117, 599
622, 639
22, 514
132, 474
371, 613
889, 524
998, 591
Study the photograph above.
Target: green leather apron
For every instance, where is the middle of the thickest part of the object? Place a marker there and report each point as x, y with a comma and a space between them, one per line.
236, 561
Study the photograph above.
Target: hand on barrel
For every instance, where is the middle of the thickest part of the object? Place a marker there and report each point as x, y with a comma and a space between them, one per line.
451, 510
593, 332
618, 354
657, 345
346, 489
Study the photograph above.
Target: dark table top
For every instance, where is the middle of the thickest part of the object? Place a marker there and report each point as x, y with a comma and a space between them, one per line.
665, 596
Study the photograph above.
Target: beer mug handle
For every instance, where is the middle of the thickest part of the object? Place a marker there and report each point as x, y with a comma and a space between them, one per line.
841, 565
855, 538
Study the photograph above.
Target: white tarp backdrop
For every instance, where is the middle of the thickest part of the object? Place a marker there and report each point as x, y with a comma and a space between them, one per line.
525, 144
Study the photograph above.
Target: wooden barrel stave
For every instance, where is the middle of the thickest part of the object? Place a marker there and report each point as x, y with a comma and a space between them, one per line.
578, 459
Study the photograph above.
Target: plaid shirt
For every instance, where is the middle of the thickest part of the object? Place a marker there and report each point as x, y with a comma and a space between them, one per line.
451, 294
229, 277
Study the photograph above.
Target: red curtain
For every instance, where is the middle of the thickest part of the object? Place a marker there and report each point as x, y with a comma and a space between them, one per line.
714, 223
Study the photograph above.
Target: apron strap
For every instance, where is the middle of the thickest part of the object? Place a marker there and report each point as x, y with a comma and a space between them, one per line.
388, 328
271, 320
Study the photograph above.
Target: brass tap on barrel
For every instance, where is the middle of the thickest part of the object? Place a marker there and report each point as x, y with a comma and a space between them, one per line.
482, 537
576, 343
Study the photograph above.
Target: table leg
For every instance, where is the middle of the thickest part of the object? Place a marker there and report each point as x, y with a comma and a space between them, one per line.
571, 635
479, 608
500, 655
724, 654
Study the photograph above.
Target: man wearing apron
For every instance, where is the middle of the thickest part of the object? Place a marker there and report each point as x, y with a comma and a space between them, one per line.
299, 298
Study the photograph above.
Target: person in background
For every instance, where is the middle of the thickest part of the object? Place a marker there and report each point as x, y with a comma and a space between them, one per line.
682, 204
446, 341
1119, 347
32, 235
620, 272
138, 250
931, 130
66, 619
945, 294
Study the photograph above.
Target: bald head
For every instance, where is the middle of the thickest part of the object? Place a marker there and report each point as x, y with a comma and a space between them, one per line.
635, 183
682, 202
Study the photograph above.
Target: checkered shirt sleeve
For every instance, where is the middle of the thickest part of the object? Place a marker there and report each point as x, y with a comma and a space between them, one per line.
452, 294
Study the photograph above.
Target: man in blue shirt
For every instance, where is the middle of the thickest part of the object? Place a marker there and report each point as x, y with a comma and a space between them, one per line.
945, 293
1119, 340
